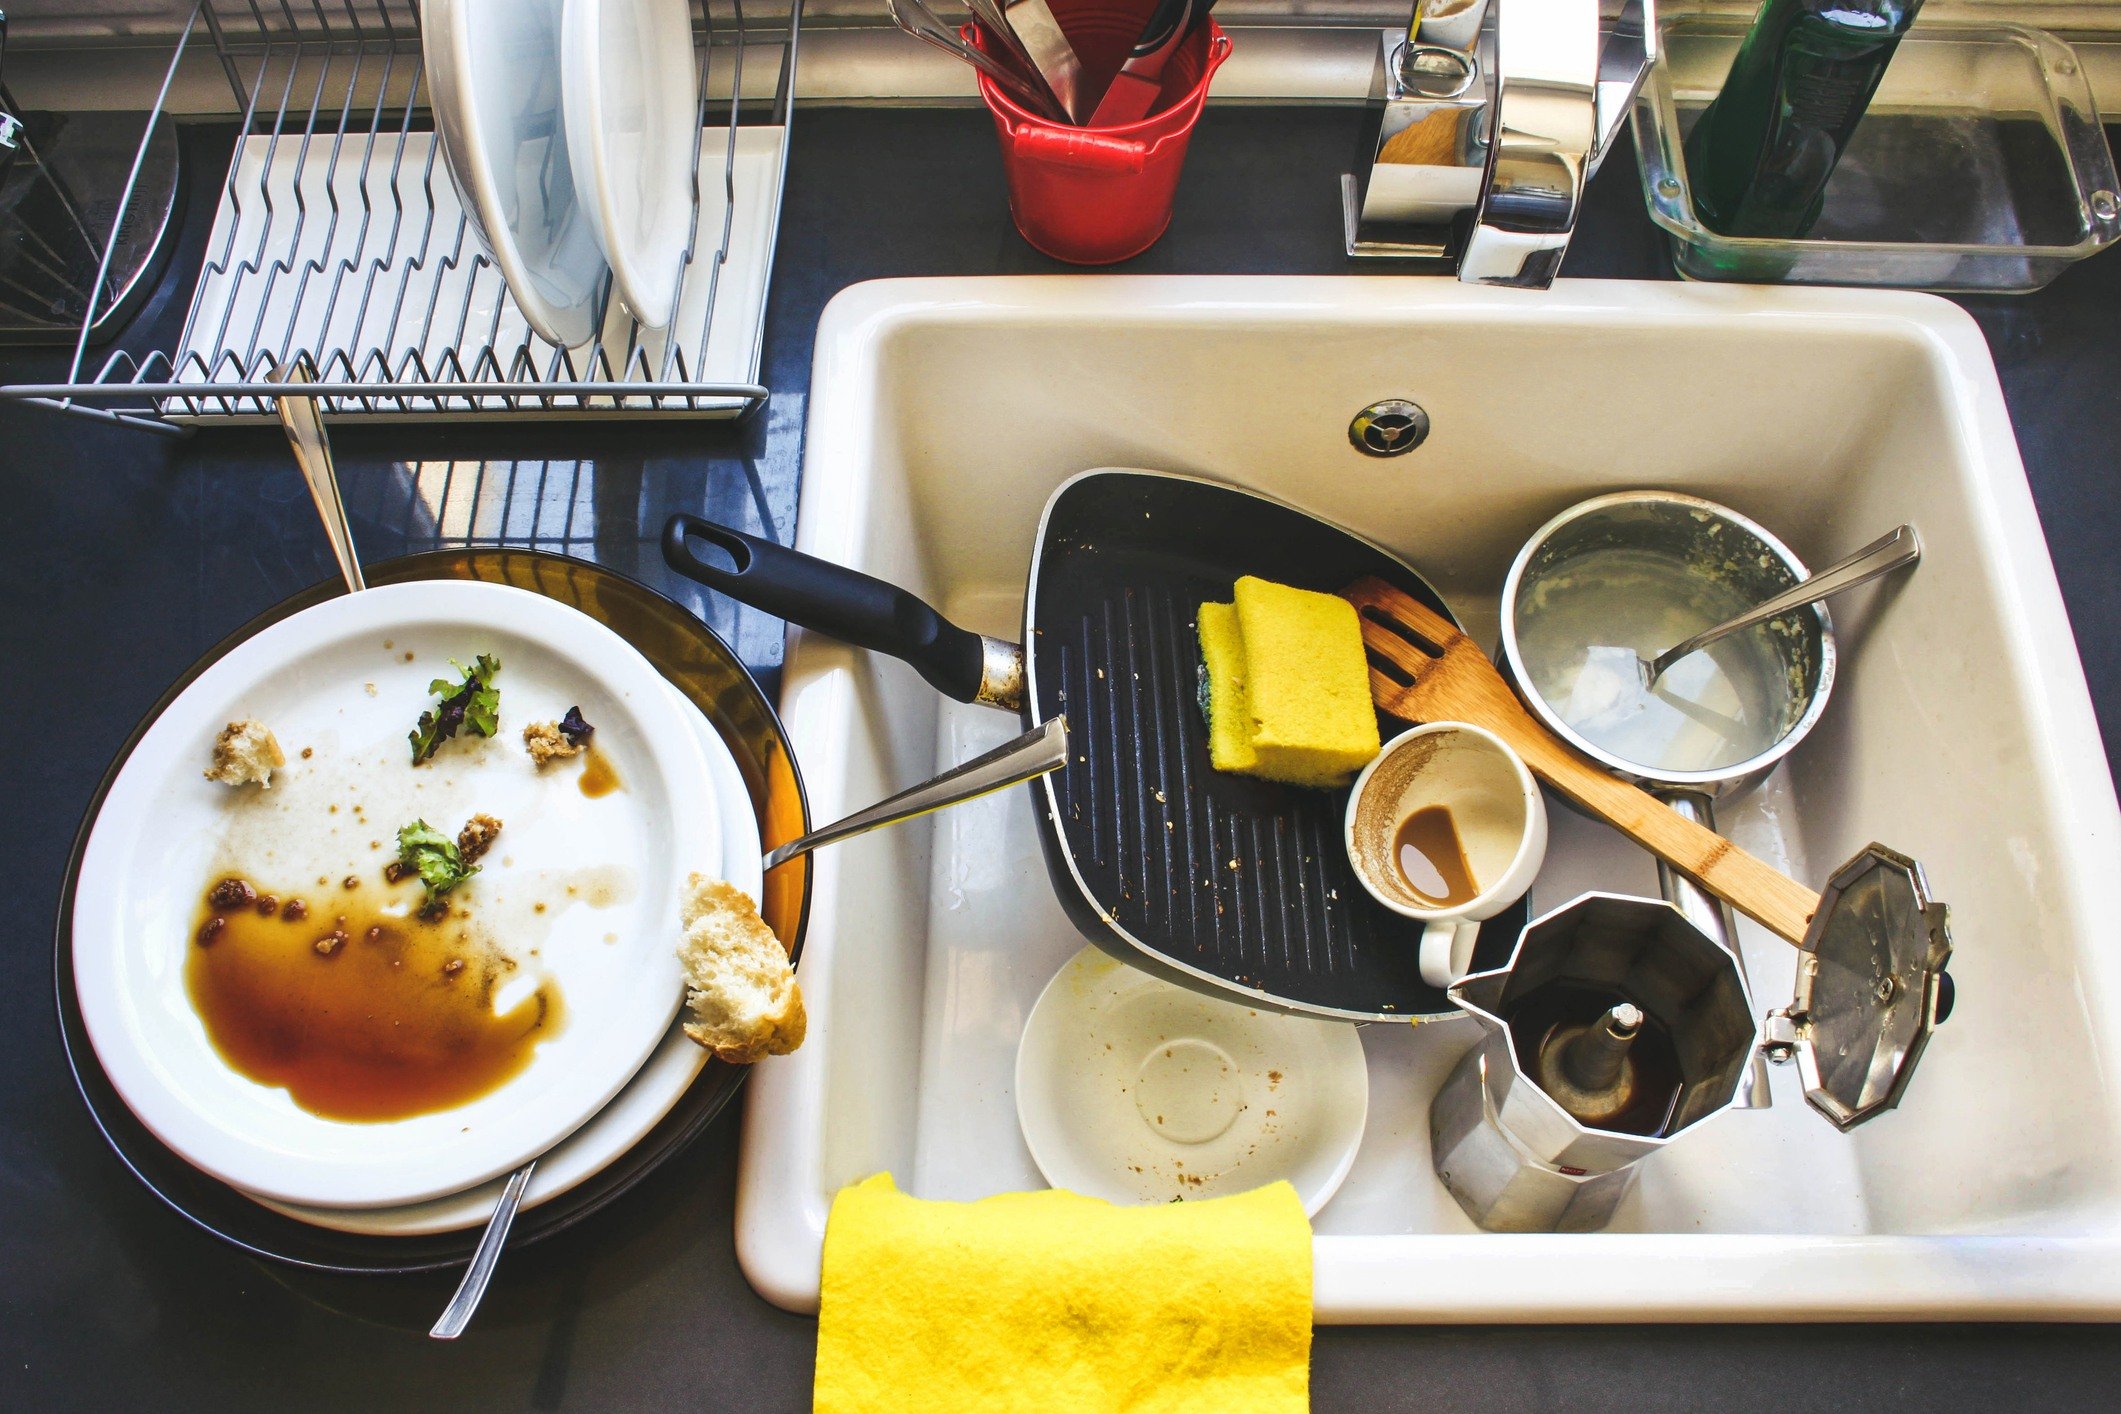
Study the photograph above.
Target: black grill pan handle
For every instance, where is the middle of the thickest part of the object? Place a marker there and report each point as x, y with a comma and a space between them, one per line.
835, 600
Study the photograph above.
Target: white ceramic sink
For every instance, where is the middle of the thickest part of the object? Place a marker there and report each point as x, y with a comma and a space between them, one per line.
944, 411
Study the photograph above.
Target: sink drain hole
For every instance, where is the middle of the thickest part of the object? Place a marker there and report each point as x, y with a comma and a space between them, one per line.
1390, 428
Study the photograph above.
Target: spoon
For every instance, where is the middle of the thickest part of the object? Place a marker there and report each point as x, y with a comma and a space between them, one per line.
305, 429
1880, 557
1042, 749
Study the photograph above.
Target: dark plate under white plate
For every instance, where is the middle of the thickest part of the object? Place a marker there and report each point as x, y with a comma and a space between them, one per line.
709, 674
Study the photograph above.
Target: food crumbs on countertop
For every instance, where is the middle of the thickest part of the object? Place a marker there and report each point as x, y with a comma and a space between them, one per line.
308, 752
369, 688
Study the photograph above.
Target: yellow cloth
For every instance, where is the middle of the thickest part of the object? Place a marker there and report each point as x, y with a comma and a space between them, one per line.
1054, 1301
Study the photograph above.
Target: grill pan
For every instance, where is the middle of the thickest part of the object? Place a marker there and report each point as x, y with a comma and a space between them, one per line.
1220, 883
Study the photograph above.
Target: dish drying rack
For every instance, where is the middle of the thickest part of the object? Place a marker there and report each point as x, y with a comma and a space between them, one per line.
339, 242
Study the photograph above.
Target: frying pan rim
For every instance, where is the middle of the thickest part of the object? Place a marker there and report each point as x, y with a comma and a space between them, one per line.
1222, 986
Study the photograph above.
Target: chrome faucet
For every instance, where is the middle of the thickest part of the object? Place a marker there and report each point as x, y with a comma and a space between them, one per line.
1490, 117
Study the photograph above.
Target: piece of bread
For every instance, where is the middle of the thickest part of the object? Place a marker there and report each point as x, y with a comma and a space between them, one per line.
741, 1000
546, 742
245, 752
1307, 684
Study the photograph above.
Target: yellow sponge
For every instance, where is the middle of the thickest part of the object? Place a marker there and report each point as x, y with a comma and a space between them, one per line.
1297, 672
1222, 649
1307, 684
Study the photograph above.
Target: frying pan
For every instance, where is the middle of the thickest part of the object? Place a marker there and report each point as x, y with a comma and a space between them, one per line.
1221, 883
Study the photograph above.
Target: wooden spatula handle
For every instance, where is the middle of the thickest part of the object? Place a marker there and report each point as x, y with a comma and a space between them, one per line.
1758, 890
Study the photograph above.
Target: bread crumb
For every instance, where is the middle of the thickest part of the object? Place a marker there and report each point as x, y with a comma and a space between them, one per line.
741, 998
546, 743
245, 752
477, 837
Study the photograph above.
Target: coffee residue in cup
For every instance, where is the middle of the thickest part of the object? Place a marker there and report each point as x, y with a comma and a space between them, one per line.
1432, 858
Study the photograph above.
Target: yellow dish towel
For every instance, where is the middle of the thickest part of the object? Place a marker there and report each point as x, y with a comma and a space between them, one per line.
1054, 1301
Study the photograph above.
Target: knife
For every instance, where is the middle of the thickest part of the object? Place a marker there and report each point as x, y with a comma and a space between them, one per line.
1032, 22
1134, 88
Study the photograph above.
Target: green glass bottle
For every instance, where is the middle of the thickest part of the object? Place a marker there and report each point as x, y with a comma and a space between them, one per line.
1759, 158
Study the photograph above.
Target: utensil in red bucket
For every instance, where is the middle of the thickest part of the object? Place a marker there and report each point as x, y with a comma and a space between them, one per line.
1139, 82
1091, 196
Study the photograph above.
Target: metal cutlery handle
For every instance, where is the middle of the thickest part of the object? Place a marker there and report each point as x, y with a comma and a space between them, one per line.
305, 429
995, 26
458, 1313
1036, 752
916, 19
1882, 556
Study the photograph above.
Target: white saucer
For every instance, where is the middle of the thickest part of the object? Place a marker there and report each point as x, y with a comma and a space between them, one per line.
493, 80
631, 95
609, 871
639, 1108
1136, 1091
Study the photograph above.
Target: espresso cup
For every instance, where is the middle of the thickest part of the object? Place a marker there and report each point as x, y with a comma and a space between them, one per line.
1498, 814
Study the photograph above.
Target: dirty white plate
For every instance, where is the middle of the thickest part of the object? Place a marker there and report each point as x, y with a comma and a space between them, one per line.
639, 1108
493, 79
608, 871
1133, 1090
631, 96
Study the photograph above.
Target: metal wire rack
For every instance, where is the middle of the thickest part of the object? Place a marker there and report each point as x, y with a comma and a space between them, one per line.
339, 241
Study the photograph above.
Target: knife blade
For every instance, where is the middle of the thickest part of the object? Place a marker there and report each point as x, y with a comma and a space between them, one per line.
1133, 90
1040, 35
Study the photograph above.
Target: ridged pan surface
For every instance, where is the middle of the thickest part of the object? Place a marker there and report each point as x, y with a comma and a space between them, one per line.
1206, 875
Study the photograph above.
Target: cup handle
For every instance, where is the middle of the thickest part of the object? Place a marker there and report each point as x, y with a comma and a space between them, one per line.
1447, 950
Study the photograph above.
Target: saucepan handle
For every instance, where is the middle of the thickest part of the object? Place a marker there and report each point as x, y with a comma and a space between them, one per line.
834, 600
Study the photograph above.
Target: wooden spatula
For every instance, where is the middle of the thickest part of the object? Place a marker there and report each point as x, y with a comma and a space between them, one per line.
1438, 674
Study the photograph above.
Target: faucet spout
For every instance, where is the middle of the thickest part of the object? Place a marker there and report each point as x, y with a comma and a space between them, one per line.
1494, 113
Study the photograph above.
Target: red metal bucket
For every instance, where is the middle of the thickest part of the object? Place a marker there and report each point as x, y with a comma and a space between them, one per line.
1091, 196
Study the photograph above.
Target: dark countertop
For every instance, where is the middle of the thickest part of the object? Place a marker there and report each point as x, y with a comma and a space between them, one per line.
128, 555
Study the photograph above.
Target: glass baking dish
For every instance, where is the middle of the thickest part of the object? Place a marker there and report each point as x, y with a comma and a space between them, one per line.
1980, 166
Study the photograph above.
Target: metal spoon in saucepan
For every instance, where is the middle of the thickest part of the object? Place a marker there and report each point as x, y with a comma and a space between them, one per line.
1880, 557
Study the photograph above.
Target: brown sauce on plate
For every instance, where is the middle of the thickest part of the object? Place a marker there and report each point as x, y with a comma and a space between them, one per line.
599, 776
1432, 859
357, 1007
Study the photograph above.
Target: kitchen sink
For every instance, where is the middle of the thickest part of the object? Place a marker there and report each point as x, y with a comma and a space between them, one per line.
944, 411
